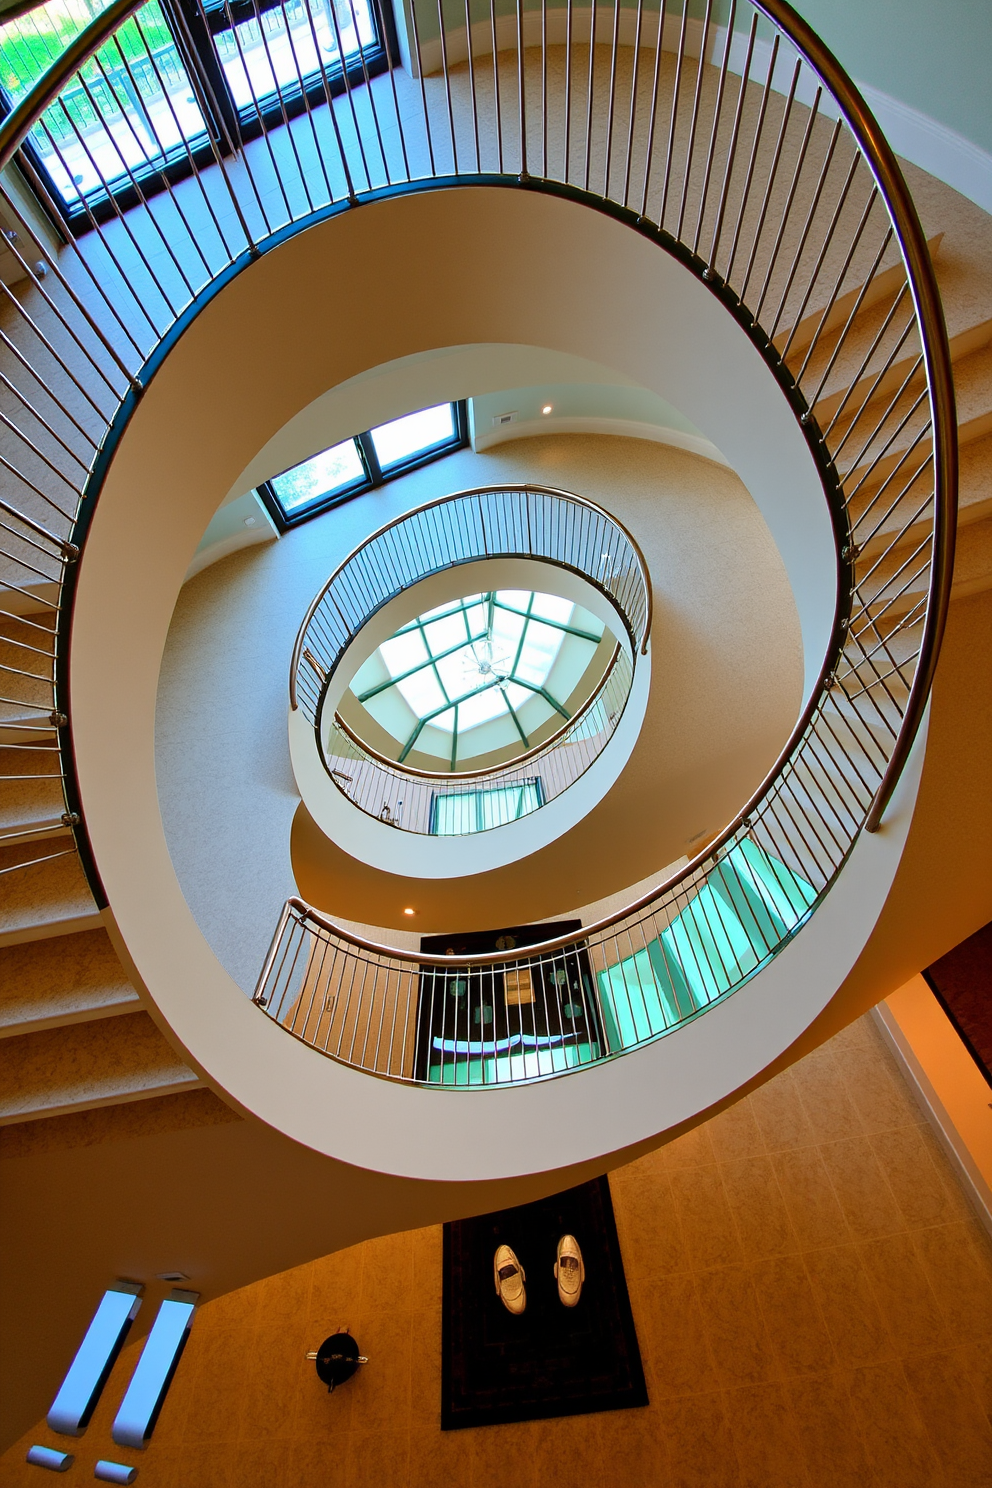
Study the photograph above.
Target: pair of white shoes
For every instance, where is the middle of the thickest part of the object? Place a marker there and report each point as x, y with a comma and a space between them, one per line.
511, 1278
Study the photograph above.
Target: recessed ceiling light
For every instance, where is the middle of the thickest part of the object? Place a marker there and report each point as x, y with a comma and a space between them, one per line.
547, 408
410, 911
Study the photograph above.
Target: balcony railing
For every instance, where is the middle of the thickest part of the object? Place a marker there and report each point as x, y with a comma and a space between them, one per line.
439, 803
737, 145
533, 522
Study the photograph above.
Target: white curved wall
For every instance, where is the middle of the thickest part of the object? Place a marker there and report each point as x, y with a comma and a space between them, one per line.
283, 325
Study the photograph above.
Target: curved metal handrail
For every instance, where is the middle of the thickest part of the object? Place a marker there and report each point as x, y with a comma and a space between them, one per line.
523, 488
922, 280
858, 727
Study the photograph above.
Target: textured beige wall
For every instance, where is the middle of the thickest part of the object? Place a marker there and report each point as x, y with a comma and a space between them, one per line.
812, 1296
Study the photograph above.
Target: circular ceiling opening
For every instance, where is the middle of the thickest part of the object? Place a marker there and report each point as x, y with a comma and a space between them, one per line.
478, 681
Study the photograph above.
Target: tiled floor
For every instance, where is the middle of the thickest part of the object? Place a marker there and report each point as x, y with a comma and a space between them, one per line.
812, 1294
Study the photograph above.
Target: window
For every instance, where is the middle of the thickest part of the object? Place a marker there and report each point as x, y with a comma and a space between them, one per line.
456, 813
175, 74
363, 462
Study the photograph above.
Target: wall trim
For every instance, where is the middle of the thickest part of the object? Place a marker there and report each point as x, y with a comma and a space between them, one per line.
944, 1127
594, 424
932, 146
214, 552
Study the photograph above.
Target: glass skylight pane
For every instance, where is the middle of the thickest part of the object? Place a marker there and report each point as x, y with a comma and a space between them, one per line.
405, 437
330, 471
459, 673
477, 618
444, 721
403, 652
541, 645
517, 599
507, 628
443, 634
551, 607
446, 608
517, 696
422, 692
480, 709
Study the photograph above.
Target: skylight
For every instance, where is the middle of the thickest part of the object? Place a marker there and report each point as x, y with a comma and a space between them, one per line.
473, 661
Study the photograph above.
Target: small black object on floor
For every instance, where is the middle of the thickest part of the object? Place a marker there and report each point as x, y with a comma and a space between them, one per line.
553, 1360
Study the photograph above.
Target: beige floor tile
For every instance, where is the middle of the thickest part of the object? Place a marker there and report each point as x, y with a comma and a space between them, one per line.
314, 1464
896, 1443
958, 1265
335, 1291
690, 1150
649, 1227
848, 1306
379, 1394
740, 1346
766, 1437
861, 1188
904, 1295
261, 1464
700, 1444
919, 1191
877, 1091
780, 1114
569, 1452
440, 1458
814, 1209
792, 1316
634, 1448
978, 1361
949, 1404
831, 1436
503, 1454
673, 1339
425, 1248
829, 1109
735, 1133
276, 1376
758, 1207
704, 1216
378, 1458
387, 1274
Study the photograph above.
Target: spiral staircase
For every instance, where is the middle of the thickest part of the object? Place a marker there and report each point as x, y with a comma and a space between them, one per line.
761, 185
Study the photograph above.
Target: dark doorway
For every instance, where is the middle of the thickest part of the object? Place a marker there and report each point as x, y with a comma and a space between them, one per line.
505, 1020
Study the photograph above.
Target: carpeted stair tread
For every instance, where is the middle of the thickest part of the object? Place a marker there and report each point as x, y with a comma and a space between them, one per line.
68, 979
44, 898
87, 1065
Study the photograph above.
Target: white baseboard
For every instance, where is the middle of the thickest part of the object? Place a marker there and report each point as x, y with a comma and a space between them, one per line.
933, 147
619, 428
955, 1148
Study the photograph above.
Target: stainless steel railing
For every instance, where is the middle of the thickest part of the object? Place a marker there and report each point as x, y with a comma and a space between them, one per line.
411, 799
734, 142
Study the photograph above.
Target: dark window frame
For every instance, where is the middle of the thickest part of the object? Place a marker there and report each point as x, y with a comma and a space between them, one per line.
227, 126
374, 476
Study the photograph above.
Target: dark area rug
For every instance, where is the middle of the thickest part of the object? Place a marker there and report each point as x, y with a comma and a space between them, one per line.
553, 1360
962, 983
